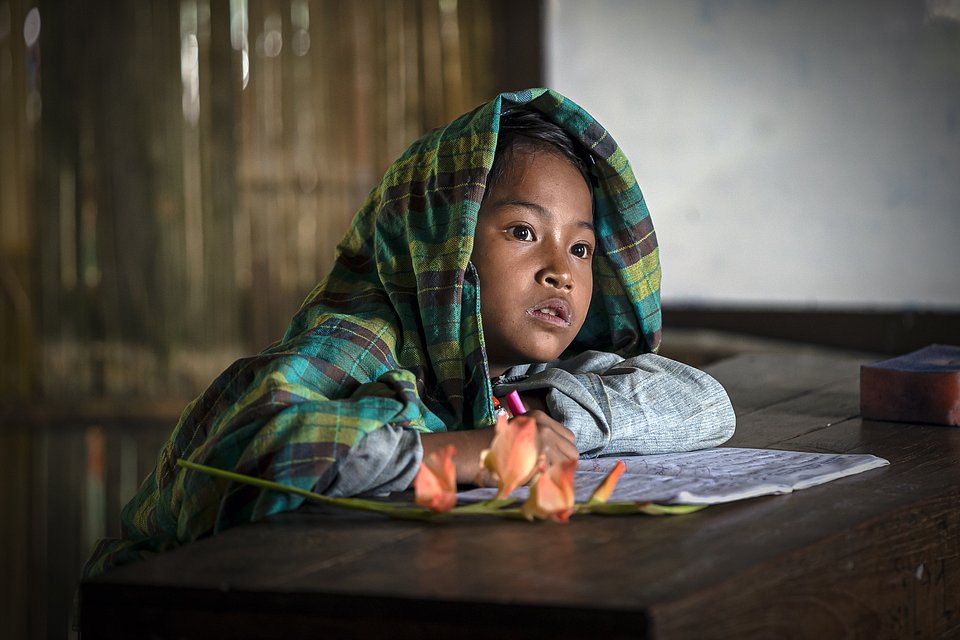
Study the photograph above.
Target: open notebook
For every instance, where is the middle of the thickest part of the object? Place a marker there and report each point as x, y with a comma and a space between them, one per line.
709, 476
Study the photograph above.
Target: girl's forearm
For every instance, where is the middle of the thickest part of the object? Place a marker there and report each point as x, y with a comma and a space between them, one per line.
469, 444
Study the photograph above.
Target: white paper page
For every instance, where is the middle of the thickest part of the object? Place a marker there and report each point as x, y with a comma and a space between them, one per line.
710, 476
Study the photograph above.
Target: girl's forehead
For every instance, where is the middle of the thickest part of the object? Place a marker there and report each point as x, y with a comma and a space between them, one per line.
545, 182
518, 162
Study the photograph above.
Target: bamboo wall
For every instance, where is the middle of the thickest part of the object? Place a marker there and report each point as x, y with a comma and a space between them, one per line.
19, 95
174, 177
195, 165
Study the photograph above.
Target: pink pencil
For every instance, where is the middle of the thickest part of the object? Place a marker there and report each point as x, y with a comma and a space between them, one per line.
515, 404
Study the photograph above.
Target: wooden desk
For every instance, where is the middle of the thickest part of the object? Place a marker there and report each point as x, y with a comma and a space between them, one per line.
870, 556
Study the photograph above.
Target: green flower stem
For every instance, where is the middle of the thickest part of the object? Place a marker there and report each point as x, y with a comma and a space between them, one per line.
488, 509
649, 508
394, 510
348, 503
494, 504
499, 507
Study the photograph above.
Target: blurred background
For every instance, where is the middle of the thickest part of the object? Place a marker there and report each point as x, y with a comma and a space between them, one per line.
174, 177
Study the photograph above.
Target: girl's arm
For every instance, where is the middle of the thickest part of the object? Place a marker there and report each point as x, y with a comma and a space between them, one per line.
641, 405
469, 444
554, 439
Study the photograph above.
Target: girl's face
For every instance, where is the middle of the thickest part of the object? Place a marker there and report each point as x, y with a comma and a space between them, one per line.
533, 250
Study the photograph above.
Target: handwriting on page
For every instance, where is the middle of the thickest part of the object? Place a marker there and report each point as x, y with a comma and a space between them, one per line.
712, 476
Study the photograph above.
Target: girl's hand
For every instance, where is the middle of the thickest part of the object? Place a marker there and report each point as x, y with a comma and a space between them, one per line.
552, 441
557, 442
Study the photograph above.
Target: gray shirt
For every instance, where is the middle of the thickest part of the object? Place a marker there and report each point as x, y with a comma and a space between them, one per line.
641, 405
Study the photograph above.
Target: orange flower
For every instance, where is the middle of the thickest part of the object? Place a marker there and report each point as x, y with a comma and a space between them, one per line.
513, 454
435, 486
603, 491
552, 495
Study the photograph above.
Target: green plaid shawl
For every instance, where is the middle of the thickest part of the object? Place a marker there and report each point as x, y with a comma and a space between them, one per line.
391, 336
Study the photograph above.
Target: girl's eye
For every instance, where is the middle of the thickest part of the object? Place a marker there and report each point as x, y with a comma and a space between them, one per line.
521, 232
582, 250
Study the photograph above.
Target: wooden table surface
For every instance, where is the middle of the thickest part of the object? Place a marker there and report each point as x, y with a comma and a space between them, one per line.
869, 556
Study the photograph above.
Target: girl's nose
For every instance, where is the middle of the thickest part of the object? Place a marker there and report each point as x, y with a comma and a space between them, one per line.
560, 280
556, 273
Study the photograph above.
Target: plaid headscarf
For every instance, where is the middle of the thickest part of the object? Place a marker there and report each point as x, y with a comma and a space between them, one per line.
391, 336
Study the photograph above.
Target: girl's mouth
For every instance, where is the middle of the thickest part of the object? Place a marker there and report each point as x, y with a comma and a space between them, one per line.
555, 312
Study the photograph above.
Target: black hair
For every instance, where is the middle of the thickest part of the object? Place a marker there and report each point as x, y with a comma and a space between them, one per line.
529, 130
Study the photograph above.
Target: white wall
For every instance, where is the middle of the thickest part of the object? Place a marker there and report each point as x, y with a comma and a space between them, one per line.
792, 153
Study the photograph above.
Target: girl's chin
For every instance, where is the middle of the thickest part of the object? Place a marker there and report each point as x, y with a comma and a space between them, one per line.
530, 354
536, 356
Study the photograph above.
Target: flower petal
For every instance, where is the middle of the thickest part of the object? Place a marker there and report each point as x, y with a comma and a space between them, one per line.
435, 486
603, 491
513, 454
552, 494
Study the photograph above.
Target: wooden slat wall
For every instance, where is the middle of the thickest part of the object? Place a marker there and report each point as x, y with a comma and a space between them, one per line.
162, 213
198, 163
18, 84
19, 96
63, 486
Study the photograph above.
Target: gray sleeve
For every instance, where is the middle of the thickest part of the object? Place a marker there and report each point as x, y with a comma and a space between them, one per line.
384, 461
642, 405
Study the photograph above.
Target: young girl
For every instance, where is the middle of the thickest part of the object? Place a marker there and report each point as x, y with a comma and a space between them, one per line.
511, 249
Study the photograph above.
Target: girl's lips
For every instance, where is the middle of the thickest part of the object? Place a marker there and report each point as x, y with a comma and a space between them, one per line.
555, 312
